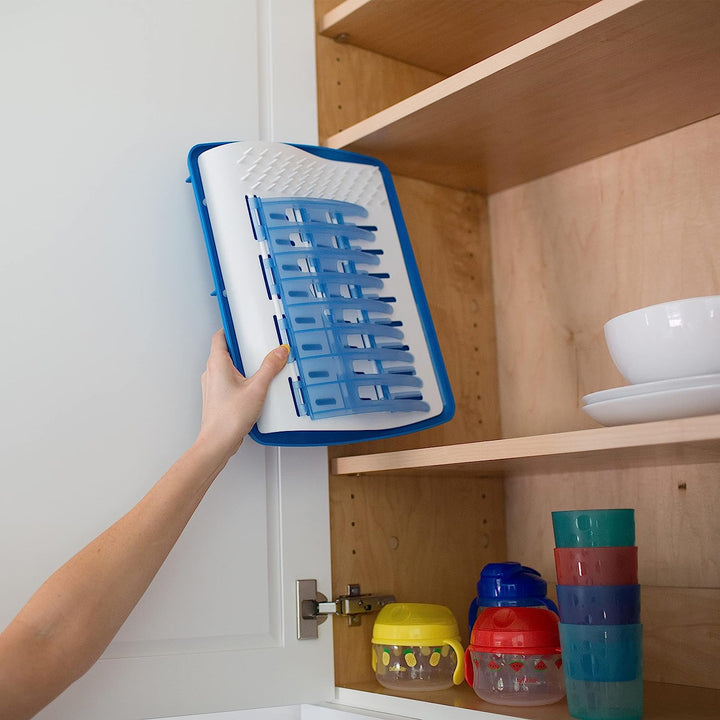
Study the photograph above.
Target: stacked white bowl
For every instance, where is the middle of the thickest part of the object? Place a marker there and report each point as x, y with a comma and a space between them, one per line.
670, 353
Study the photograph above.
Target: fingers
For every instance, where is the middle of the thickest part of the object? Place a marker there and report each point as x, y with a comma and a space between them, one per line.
218, 345
220, 355
232, 403
273, 363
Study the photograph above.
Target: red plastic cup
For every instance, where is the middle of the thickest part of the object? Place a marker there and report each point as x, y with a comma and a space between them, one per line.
597, 565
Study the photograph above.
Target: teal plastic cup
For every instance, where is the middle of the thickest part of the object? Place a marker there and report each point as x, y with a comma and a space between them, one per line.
588, 700
594, 528
601, 653
602, 665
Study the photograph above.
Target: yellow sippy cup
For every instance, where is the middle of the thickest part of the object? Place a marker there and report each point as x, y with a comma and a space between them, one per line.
416, 646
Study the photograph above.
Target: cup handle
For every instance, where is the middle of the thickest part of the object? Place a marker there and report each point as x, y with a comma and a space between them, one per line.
459, 673
373, 658
469, 672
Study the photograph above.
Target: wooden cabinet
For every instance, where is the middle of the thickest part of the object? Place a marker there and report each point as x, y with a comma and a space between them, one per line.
557, 164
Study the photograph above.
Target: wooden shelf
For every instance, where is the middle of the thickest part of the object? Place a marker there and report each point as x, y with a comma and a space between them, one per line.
604, 78
612, 75
690, 440
442, 37
661, 702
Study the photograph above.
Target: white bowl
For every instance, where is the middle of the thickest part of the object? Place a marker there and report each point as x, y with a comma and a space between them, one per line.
669, 340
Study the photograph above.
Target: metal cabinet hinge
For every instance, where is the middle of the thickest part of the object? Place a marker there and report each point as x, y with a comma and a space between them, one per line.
313, 607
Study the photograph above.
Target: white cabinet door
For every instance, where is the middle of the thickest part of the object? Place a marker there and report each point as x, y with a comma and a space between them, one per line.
106, 321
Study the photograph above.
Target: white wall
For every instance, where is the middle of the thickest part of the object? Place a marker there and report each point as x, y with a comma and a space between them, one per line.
104, 304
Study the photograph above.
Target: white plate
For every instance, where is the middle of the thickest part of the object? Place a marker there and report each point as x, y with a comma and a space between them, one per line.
662, 405
652, 387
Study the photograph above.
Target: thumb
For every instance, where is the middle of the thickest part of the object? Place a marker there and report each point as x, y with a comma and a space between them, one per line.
271, 365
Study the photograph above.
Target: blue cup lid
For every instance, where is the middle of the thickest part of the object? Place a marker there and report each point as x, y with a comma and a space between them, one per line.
509, 584
509, 581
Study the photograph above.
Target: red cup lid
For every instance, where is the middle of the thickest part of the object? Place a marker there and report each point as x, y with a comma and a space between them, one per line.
529, 630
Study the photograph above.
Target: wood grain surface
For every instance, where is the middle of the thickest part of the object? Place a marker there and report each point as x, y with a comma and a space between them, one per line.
444, 37
529, 279
615, 74
422, 539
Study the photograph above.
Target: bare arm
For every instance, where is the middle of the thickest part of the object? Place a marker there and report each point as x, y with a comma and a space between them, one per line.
70, 620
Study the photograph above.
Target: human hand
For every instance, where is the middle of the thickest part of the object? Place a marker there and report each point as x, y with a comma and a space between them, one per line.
231, 402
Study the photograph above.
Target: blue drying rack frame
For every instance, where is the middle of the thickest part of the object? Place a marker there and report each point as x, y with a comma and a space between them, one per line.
341, 397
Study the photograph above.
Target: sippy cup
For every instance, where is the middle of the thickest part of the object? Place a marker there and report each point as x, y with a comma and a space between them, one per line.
509, 584
416, 646
514, 656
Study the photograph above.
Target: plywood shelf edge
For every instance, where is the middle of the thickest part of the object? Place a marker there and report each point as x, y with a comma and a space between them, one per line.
662, 701
693, 439
583, 20
442, 37
613, 75
339, 13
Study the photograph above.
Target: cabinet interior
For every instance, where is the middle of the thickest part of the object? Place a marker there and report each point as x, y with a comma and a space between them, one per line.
520, 281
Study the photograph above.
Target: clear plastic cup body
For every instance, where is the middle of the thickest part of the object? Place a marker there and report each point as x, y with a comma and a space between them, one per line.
414, 667
517, 679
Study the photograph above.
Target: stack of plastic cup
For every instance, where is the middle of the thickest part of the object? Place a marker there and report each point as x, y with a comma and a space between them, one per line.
599, 601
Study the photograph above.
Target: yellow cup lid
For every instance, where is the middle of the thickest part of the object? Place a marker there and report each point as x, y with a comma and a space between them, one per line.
415, 624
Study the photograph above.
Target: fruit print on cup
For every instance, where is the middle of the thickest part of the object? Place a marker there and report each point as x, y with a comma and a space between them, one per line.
514, 656
399, 666
416, 646
507, 679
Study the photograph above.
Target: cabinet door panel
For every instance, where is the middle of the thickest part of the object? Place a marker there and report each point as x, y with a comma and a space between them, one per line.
106, 320
216, 630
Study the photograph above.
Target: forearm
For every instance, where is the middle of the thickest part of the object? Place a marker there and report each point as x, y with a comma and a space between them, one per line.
102, 584
71, 619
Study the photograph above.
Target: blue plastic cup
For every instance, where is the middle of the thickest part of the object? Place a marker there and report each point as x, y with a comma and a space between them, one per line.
594, 528
589, 700
599, 604
601, 653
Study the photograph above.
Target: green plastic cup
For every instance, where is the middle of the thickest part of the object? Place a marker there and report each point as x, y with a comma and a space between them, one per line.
594, 528
589, 700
